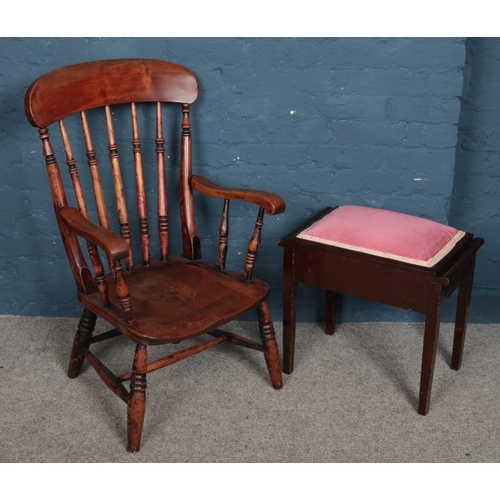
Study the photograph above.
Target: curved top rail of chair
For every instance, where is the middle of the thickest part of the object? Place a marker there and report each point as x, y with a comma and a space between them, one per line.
88, 85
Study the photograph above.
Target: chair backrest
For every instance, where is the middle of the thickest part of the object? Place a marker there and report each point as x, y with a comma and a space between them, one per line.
82, 87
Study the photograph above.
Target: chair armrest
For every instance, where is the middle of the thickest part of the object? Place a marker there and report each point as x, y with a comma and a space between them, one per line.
114, 246
273, 203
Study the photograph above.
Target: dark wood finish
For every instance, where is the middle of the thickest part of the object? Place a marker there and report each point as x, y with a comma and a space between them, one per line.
160, 301
115, 246
100, 201
464, 295
254, 245
270, 346
236, 339
190, 240
107, 376
330, 313
173, 358
142, 206
99, 278
272, 203
69, 90
186, 287
162, 184
289, 309
105, 336
223, 235
137, 400
79, 268
81, 342
398, 284
431, 333
121, 204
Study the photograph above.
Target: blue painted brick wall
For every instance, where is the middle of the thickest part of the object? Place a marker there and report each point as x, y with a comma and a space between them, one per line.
320, 121
476, 195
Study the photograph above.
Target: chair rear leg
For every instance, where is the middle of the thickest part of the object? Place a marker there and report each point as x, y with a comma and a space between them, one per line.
270, 345
136, 406
431, 334
464, 294
81, 342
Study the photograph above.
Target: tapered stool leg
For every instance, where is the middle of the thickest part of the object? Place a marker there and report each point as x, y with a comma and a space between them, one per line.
431, 334
289, 312
136, 406
81, 342
330, 312
271, 352
463, 302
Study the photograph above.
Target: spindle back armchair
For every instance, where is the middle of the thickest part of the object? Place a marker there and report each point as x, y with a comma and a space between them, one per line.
163, 298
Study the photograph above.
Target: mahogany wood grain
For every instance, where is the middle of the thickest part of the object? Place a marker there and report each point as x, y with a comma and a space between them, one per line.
69, 90
200, 299
398, 284
273, 203
113, 245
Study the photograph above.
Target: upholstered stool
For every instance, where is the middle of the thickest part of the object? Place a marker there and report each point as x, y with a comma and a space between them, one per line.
388, 257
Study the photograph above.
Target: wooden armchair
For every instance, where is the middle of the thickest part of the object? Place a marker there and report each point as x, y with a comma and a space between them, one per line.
161, 300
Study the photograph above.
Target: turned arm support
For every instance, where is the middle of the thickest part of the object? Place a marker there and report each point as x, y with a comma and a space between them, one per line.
272, 203
113, 245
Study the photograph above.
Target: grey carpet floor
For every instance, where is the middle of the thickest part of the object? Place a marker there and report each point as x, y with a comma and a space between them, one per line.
351, 398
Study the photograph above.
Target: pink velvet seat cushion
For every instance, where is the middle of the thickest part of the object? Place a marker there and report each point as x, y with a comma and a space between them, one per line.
385, 233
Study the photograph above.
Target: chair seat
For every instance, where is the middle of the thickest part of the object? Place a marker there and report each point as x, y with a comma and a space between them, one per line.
385, 233
180, 299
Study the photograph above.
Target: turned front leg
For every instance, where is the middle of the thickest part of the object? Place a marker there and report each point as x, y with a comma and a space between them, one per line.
271, 352
136, 405
81, 342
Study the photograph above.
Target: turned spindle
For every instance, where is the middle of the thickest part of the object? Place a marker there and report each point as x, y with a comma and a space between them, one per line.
190, 240
254, 245
123, 293
142, 207
223, 235
162, 184
93, 164
121, 204
100, 278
